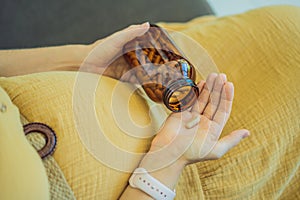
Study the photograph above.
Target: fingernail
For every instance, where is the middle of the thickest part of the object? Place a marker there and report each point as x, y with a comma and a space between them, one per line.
201, 82
224, 77
246, 134
229, 84
146, 24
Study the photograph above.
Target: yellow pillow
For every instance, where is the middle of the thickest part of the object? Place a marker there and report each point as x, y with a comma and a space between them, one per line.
48, 98
260, 52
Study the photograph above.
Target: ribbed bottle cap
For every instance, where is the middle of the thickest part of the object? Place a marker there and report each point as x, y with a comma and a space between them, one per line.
181, 95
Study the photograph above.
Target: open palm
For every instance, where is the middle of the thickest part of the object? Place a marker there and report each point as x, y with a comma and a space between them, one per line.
194, 135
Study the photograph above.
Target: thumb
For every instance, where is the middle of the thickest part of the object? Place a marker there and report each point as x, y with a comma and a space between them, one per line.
111, 46
120, 38
228, 142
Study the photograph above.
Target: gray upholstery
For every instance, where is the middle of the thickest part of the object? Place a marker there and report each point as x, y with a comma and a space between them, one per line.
33, 23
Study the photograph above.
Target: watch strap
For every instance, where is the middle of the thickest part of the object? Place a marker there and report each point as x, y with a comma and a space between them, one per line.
142, 180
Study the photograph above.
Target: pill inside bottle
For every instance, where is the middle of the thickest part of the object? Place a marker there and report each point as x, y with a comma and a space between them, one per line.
162, 70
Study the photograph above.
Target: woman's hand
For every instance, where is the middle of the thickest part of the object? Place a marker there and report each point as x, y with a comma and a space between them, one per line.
193, 135
109, 50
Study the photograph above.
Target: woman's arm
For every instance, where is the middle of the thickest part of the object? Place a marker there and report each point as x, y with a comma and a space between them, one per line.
168, 176
177, 145
70, 57
26, 61
21, 169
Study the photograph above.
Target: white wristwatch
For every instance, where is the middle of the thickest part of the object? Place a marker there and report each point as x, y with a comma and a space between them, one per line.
142, 180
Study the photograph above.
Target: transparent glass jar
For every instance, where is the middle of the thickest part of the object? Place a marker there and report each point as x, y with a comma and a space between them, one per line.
161, 69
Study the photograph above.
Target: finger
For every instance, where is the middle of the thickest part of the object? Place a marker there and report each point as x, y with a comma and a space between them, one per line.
228, 142
120, 38
225, 105
91, 67
224, 77
130, 78
204, 94
210, 81
111, 46
200, 85
196, 107
215, 95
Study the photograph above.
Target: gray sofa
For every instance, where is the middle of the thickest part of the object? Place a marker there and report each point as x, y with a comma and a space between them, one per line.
35, 23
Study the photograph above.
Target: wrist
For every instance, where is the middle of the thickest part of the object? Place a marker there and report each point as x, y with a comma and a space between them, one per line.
167, 174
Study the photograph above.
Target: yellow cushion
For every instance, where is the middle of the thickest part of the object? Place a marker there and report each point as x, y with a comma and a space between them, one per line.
48, 98
258, 50
260, 53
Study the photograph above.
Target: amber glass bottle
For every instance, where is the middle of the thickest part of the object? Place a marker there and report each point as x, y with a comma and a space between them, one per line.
161, 69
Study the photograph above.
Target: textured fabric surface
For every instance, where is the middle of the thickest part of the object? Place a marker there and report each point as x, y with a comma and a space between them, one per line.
259, 51
58, 186
48, 97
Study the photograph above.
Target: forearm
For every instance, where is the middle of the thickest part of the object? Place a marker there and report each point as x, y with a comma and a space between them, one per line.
168, 176
26, 61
